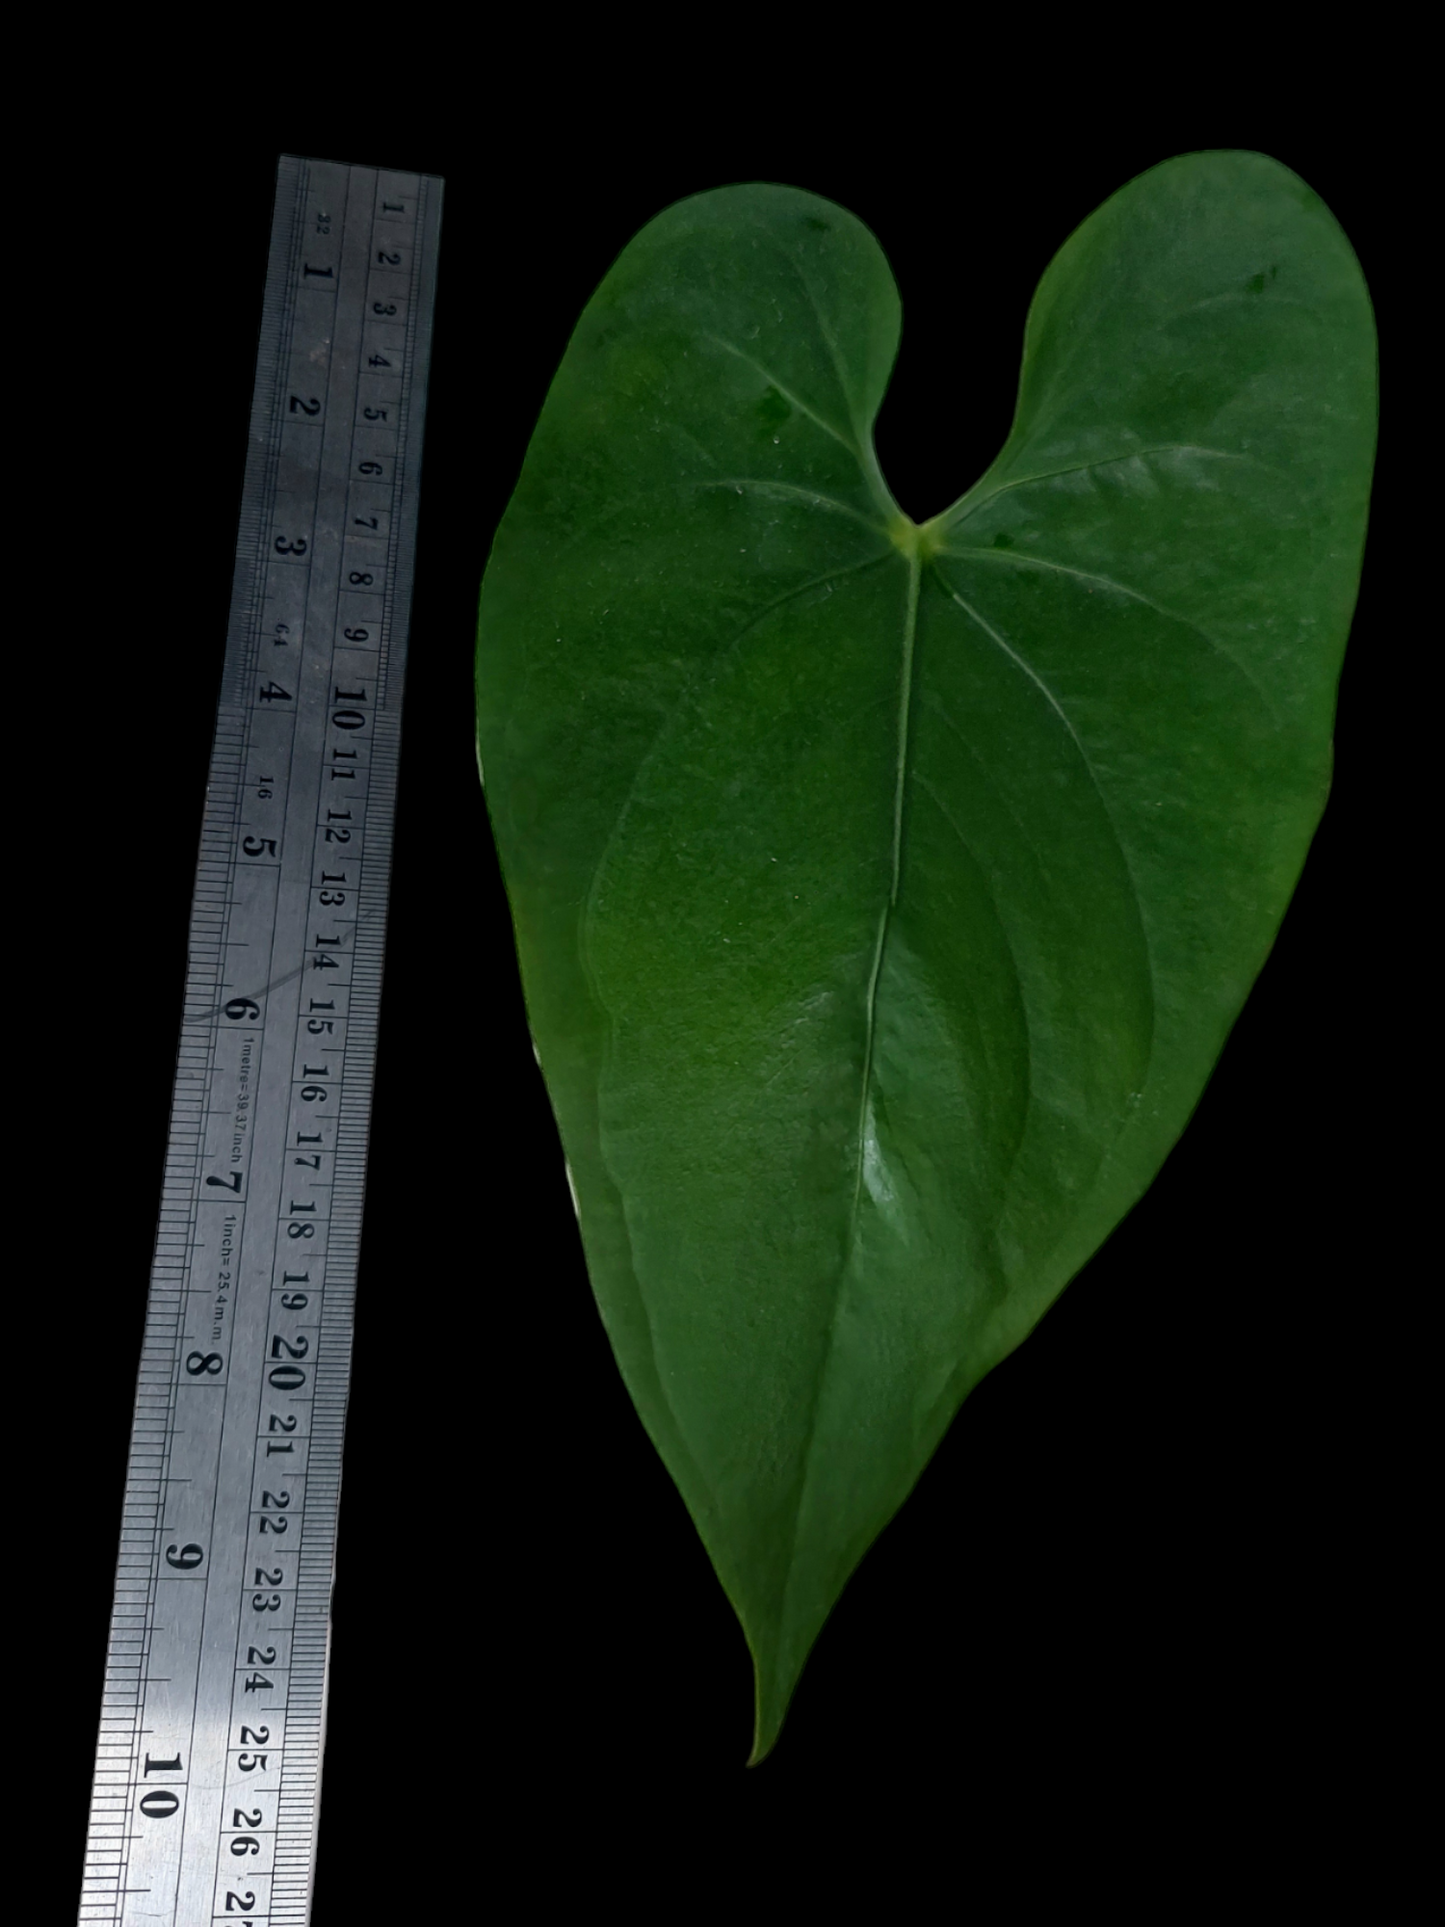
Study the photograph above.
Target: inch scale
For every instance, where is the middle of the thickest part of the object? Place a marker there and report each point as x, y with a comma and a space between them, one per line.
206, 1794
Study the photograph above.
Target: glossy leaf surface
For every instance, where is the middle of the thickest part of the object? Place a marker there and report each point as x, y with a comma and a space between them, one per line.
884, 894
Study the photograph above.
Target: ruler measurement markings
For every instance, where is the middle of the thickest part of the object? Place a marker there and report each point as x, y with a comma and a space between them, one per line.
227, 1761
259, 759
301, 641
300, 1693
297, 1813
207, 958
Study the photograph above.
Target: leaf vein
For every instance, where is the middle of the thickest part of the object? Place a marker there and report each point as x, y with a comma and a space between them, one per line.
702, 665
788, 395
1052, 700
1135, 595
813, 496
1105, 461
938, 803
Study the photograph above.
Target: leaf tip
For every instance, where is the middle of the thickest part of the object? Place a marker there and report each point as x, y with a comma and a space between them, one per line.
769, 1710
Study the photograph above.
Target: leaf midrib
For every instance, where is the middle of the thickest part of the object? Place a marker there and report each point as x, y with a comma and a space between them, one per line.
905, 706
904, 721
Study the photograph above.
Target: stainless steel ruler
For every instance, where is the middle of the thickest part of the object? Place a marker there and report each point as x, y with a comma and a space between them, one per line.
208, 1769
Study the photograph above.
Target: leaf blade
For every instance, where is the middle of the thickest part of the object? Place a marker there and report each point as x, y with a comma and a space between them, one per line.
882, 919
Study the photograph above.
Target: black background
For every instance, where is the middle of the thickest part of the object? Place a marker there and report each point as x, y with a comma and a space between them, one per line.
1128, 1590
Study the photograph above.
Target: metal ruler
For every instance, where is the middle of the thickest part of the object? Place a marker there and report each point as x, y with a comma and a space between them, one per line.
208, 1769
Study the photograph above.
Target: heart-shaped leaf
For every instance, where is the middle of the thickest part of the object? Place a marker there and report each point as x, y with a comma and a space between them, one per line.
884, 893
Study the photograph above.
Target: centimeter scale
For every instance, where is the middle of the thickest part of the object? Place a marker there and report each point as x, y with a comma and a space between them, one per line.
207, 1783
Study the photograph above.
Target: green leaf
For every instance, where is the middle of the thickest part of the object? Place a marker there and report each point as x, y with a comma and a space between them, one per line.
884, 893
